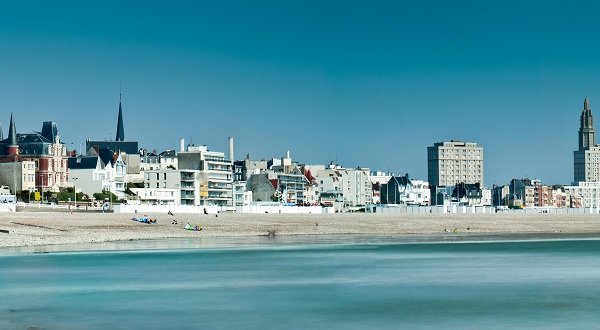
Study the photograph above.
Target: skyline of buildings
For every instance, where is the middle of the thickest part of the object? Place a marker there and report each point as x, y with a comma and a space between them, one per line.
204, 177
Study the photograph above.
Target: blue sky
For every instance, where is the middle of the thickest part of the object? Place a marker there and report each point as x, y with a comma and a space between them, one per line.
369, 83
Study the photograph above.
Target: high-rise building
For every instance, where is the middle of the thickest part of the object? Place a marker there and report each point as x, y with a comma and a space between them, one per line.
586, 159
450, 163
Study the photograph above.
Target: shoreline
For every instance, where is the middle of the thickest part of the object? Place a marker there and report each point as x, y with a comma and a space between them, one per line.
38, 229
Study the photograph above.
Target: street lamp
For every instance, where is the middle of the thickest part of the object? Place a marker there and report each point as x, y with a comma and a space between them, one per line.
74, 193
110, 192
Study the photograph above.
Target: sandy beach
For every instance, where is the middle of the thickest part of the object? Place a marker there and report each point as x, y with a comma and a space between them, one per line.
49, 228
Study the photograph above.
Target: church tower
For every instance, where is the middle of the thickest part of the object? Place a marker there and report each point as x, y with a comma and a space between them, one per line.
12, 148
120, 129
587, 135
586, 159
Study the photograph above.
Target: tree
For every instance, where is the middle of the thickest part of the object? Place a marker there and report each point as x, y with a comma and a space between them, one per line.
105, 195
24, 195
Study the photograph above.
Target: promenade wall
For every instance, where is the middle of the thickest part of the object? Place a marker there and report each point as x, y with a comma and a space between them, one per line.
460, 209
190, 209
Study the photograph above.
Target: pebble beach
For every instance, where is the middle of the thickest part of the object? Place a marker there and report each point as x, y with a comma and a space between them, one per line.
25, 228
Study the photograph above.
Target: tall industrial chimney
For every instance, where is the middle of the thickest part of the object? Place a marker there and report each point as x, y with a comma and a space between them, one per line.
231, 148
181, 145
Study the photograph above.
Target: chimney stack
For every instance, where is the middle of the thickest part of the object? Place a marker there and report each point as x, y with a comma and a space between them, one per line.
231, 148
181, 145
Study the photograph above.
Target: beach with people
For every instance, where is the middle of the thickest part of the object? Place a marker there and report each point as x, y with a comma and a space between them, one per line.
51, 228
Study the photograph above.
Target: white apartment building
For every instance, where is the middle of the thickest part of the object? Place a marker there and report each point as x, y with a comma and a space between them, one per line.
588, 192
215, 176
161, 187
450, 163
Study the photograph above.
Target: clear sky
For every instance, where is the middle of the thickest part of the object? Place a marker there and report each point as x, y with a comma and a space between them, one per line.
366, 83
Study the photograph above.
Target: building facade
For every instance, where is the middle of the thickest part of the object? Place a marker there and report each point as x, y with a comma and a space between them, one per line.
586, 160
215, 174
586, 193
450, 163
402, 190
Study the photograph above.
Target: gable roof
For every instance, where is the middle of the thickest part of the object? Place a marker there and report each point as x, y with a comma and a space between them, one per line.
106, 155
84, 162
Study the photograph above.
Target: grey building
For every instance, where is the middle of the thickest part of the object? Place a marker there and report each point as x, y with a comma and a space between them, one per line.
586, 160
263, 189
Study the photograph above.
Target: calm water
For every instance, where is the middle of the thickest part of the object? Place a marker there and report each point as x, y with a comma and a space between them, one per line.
289, 285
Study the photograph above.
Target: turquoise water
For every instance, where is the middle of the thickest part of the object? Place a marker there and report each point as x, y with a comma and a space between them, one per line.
380, 284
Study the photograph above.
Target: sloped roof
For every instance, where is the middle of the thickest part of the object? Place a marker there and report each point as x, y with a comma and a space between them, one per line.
106, 155
401, 180
84, 162
35, 137
168, 153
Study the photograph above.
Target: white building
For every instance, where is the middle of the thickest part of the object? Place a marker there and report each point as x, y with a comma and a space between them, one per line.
402, 190
215, 175
161, 187
588, 192
168, 159
450, 163
90, 174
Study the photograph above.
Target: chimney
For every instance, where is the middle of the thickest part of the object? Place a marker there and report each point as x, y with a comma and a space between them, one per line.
231, 148
181, 145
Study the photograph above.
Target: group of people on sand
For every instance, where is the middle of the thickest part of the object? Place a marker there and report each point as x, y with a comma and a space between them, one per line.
147, 220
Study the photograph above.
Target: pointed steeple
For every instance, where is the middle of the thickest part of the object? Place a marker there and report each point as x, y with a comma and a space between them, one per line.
12, 132
120, 129
12, 148
587, 134
586, 104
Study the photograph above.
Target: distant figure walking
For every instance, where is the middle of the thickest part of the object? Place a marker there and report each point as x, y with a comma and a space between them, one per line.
205, 212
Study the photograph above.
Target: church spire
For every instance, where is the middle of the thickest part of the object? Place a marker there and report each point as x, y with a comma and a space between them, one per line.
587, 134
12, 147
120, 129
586, 104
12, 132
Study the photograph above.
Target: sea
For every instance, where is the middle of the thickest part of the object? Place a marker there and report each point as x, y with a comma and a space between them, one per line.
338, 282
